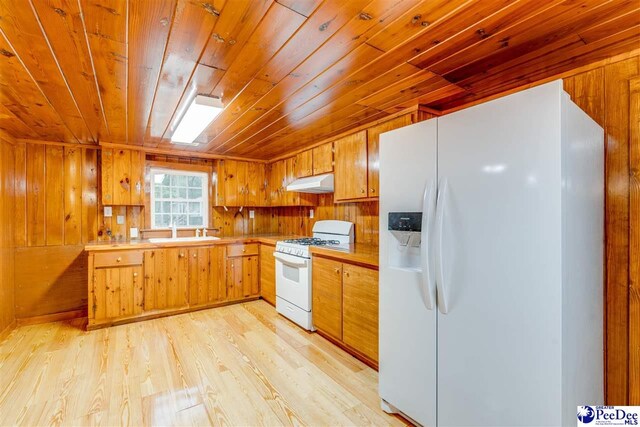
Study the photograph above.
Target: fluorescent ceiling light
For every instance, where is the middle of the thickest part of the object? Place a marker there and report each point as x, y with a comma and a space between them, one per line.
201, 112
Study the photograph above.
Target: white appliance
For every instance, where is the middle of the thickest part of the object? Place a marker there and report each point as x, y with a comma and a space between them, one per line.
316, 184
491, 289
293, 268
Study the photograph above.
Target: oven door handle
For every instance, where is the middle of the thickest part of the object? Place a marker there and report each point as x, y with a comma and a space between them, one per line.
291, 260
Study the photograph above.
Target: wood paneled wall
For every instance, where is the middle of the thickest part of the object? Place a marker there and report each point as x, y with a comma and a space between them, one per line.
7, 310
610, 94
230, 222
296, 220
57, 211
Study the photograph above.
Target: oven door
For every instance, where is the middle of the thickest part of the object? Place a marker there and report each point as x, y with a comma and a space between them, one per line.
293, 279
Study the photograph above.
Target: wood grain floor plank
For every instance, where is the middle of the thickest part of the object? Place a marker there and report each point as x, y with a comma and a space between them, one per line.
236, 365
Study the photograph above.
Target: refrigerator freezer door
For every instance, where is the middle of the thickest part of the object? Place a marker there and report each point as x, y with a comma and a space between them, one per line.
499, 341
407, 326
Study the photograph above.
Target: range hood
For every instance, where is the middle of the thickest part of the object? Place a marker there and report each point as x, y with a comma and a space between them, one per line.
313, 184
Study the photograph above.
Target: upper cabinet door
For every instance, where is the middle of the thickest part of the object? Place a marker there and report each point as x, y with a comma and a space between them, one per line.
351, 167
254, 185
106, 170
373, 151
137, 177
230, 183
122, 177
304, 164
291, 198
322, 159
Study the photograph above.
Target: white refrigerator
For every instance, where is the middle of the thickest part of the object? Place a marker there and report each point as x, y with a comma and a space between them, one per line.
491, 301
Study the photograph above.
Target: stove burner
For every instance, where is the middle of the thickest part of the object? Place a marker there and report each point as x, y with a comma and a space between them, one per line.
312, 241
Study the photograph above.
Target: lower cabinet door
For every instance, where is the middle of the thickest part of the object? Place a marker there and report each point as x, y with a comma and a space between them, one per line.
360, 310
155, 279
117, 292
268, 274
166, 278
206, 275
234, 278
250, 276
326, 296
243, 279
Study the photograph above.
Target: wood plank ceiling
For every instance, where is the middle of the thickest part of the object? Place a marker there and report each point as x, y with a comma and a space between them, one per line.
289, 71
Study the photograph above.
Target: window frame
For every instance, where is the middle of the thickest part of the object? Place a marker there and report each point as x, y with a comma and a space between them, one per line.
178, 171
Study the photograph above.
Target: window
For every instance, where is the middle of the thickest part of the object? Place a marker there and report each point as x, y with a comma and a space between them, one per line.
180, 196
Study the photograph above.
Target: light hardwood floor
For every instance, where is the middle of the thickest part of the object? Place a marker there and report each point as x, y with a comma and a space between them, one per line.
235, 365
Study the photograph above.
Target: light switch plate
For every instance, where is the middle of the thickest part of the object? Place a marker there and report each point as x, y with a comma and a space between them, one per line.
108, 212
310, 213
120, 219
252, 214
133, 232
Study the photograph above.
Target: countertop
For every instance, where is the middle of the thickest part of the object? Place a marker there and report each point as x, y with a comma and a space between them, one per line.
269, 239
360, 254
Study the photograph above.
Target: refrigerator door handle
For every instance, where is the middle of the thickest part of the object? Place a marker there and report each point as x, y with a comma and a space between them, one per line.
428, 200
440, 281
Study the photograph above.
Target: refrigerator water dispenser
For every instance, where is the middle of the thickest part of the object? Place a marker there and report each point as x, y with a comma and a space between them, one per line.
406, 227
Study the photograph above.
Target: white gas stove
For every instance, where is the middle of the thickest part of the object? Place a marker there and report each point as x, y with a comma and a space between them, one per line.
293, 268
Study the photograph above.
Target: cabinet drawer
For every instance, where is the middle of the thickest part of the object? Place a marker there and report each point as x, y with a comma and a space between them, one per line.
242, 250
117, 259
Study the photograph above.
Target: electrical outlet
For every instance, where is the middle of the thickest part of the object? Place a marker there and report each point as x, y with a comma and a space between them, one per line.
133, 232
252, 214
108, 212
310, 213
120, 219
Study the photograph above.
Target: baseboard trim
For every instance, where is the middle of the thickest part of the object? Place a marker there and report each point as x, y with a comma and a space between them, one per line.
54, 317
355, 353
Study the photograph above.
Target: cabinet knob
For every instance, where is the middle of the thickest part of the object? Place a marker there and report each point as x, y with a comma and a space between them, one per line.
195, 255
244, 250
362, 190
118, 259
346, 273
181, 255
373, 190
337, 271
135, 274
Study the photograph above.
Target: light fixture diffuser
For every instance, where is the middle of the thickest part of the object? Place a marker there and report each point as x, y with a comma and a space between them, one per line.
201, 112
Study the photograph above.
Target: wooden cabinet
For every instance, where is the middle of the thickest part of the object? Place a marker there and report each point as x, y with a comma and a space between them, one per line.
345, 305
373, 150
242, 275
256, 187
360, 309
206, 275
268, 274
283, 172
327, 296
130, 285
304, 164
276, 182
177, 276
241, 184
122, 173
115, 288
351, 167
323, 159
357, 161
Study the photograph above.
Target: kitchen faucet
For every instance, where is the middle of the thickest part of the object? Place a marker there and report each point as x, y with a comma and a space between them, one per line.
174, 229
